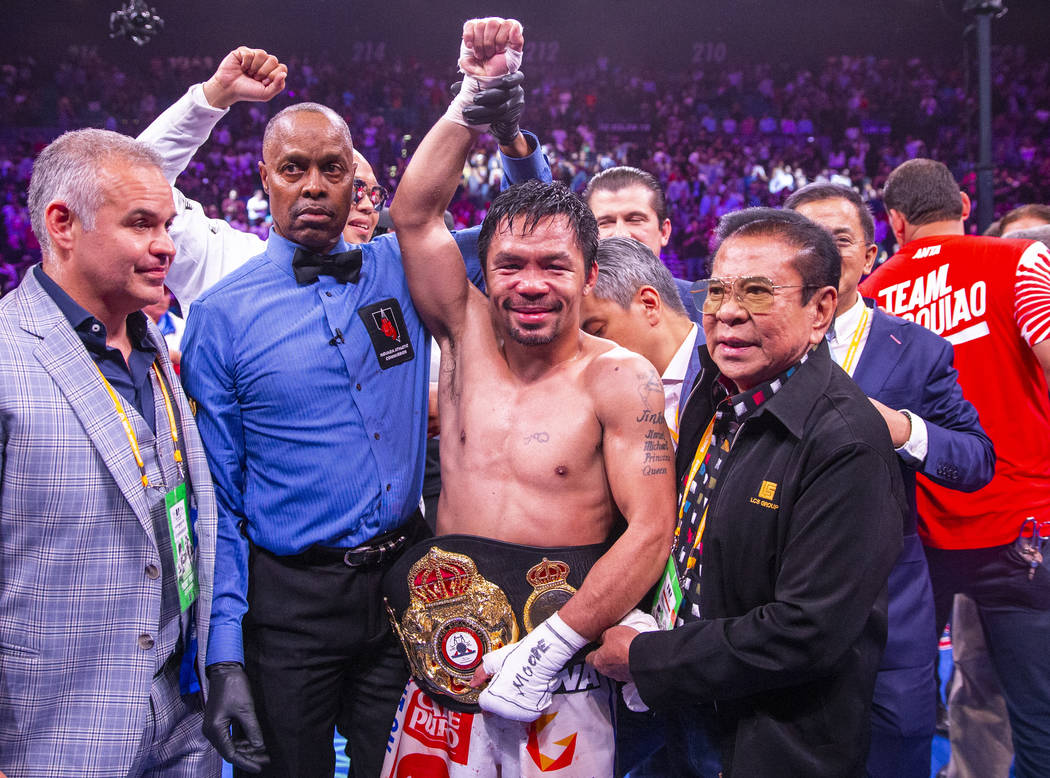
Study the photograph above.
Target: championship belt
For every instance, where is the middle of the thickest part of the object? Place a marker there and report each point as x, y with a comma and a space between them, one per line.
453, 599
455, 617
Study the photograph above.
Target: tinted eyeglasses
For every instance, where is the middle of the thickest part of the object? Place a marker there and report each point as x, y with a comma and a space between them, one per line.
754, 293
377, 194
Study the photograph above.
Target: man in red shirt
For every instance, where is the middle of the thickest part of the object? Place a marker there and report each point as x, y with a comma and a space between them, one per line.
990, 298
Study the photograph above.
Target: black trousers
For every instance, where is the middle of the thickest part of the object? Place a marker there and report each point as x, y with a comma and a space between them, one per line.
1015, 618
320, 655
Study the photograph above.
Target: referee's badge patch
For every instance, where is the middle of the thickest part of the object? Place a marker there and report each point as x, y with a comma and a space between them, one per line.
386, 327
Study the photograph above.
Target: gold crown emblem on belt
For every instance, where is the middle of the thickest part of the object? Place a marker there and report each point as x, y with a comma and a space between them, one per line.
454, 618
550, 590
547, 573
439, 576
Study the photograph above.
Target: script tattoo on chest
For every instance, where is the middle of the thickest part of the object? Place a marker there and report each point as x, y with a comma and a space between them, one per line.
539, 437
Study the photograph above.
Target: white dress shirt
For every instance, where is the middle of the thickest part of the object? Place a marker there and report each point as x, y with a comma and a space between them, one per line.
673, 380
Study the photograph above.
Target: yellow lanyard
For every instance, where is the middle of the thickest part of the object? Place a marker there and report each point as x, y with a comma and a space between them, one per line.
701, 452
130, 432
851, 352
698, 460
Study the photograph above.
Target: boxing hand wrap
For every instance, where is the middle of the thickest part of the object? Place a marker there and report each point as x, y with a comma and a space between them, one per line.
493, 660
520, 688
474, 84
466, 53
643, 622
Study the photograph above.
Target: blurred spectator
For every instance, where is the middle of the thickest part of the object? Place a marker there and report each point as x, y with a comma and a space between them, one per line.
258, 207
1024, 217
170, 325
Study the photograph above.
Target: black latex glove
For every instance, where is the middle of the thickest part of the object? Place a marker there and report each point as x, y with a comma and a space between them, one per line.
230, 702
499, 106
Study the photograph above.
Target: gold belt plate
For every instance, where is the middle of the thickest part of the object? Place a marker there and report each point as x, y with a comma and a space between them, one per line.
455, 616
550, 590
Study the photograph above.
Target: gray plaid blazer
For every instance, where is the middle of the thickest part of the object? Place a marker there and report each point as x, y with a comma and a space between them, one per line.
75, 539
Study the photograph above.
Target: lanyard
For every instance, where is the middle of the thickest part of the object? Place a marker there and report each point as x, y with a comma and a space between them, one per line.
698, 460
701, 452
854, 344
131, 432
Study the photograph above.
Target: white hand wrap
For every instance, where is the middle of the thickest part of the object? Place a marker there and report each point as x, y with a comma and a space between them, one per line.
513, 58
642, 622
471, 86
493, 660
520, 688
474, 84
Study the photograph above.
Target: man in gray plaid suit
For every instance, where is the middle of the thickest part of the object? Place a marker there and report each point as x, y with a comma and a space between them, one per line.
102, 475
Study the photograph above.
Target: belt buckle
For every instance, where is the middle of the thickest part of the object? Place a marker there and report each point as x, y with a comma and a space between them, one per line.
350, 557
372, 555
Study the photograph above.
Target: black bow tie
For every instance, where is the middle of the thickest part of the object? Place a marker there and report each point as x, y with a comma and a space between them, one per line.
343, 267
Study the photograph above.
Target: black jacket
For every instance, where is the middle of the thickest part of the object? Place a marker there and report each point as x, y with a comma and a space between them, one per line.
802, 532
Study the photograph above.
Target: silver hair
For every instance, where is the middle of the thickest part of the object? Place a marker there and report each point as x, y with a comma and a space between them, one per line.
1040, 233
338, 121
625, 265
70, 170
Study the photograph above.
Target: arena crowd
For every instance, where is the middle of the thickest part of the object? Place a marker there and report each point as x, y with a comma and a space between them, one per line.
718, 138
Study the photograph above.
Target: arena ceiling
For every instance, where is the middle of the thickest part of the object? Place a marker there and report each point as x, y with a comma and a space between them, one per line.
674, 33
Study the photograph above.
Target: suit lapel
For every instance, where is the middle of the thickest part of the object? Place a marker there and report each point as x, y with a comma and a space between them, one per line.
63, 356
691, 372
694, 409
882, 352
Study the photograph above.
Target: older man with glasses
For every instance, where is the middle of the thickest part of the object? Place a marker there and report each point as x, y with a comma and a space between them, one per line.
789, 521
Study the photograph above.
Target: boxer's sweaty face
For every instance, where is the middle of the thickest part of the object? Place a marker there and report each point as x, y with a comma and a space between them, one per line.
535, 280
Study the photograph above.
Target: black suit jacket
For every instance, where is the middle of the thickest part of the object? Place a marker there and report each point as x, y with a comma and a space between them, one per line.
802, 532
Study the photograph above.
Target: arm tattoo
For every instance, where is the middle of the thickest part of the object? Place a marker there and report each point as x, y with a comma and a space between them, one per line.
657, 453
651, 390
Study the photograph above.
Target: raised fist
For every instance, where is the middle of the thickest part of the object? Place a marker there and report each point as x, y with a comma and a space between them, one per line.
485, 46
245, 74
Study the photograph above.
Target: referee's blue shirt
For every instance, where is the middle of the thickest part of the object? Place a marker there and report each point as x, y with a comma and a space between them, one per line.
311, 438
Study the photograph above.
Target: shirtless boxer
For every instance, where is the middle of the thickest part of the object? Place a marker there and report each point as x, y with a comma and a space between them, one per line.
549, 435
